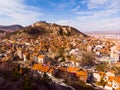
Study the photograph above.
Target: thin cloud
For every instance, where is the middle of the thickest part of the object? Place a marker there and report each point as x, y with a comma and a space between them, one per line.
83, 13
104, 4
94, 4
63, 4
106, 24
76, 8
99, 15
64, 22
16, 11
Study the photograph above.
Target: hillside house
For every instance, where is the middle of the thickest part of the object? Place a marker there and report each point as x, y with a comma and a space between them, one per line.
115, 54
42, 59
98, 75
116, 83
82, 75
25, 56
19, 53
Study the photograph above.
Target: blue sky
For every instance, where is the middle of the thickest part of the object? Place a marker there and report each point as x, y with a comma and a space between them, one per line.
85, 15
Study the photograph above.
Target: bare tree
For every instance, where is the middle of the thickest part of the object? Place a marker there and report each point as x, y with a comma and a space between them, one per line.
88, 59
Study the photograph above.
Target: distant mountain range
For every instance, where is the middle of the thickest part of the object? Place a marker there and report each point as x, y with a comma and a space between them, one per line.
10, 28
104, 32
1, 31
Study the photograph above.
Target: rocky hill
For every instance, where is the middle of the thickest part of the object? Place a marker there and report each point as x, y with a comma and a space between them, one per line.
43, 28
11, 27
58, 29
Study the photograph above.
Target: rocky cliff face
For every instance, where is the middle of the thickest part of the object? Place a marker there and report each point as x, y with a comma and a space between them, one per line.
46, 30
58, 29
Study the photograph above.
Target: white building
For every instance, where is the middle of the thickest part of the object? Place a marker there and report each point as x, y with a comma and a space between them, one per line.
97, 77
25, 56
115, 54
19, 53
42, 59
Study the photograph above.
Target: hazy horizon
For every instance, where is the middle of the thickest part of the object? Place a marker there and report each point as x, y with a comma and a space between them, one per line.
85, 15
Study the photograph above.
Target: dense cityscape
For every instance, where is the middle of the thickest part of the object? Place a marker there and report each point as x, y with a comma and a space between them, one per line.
71, 61
60, 45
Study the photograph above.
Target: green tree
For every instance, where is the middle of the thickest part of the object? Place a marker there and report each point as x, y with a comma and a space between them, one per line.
102, 67
45, 76
102, 82
16, 75
117, 70
27, 83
